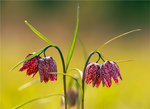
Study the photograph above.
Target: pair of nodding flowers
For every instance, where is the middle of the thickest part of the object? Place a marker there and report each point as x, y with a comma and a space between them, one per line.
44, 65
105, 72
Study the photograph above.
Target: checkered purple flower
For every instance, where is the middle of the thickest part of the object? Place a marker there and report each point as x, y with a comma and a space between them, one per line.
46, 66
31, 65
105, 72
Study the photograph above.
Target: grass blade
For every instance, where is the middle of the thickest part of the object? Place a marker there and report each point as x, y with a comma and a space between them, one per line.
38, 98
118, 61
121, 61
39, 34
83, 49
73, 41
30, 57
28, 84
117, 38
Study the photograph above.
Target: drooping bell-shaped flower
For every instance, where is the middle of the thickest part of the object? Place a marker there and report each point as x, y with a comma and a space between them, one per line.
31, 65
46, 66
92, 74
109, 71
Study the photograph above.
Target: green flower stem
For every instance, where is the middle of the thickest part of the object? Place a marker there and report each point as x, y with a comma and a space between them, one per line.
64, 76
64, 71
84, 74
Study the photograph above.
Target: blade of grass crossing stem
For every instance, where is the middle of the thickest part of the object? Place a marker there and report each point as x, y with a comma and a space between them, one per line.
30, 57
79, 71
72, 78
117, 38
28, 84
39, 34
73, 41
38, 98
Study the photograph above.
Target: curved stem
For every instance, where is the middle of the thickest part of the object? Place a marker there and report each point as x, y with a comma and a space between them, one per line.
64, 76
102, 58
84, 73
64, 71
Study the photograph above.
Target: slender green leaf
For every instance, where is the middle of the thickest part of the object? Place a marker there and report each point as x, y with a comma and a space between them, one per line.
121, 61
30, 57
28, 84
116, 38
73, 41
118, 61
83, 48
39, 34
38, 98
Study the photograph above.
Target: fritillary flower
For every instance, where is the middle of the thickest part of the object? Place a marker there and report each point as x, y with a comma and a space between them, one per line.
109, 71
105, 72
92, 74
31, 65
46, 66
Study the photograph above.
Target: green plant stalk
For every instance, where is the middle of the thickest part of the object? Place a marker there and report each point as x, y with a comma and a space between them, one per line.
63, 64
64, 71
64, 76
82, 106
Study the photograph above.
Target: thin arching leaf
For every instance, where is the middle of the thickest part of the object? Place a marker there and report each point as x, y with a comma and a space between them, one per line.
28, 84
116, 38
35, 99
83, 49
78, 70
39, 34
30, 57
73, 41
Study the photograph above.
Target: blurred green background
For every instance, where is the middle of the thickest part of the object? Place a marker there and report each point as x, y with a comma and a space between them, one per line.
99, 22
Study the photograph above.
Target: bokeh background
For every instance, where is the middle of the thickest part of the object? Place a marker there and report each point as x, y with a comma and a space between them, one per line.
99, 22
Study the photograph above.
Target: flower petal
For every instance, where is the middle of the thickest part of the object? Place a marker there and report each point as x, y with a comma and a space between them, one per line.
90, 72
105, 75
112, 71
97, 78
117, 70
51, 67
